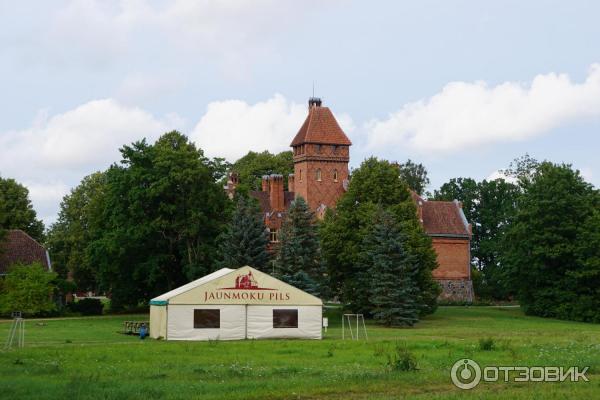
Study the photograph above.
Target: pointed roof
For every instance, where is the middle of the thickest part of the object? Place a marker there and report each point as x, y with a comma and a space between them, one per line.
320, 127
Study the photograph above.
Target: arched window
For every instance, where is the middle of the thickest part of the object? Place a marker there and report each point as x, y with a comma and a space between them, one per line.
319, 175
300, 175
335, 175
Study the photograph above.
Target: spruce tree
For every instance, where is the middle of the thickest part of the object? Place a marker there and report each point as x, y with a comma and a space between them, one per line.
245, 239
298, 260
393, 272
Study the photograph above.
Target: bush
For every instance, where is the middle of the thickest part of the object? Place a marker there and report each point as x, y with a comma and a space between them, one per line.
29, 289
486, 344
87, 306
402, 359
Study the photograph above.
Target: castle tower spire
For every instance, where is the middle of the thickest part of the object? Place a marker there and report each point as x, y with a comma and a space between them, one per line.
321, 154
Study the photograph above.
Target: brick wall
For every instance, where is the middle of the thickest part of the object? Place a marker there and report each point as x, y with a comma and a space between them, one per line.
328, 159
453, 258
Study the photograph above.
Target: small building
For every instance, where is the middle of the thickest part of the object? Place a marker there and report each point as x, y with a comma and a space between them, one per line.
450, 232
233, 304
17, 247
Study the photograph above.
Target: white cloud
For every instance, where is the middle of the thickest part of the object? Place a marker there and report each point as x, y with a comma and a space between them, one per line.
56, 152
231, 128
465, 115
497, 174
234, 32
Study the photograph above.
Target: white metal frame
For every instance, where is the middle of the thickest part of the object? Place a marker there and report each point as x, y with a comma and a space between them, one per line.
17, 329
358, 317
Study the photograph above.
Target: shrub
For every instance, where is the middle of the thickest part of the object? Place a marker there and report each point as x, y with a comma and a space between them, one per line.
87, 306
402, 359
486, 344
29, 289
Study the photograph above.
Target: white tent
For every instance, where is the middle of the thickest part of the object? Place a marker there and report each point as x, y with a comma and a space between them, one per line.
235, 304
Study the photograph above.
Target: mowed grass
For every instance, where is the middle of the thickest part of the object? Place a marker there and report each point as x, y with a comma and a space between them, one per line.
88, 359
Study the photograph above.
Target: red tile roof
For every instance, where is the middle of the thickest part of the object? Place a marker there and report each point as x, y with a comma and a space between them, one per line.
17, 247
444, 218
320, 127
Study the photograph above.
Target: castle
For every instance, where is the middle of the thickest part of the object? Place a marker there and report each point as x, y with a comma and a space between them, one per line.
321, 152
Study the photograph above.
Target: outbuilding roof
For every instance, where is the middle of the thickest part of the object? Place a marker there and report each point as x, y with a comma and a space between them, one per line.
442, 218
17, 247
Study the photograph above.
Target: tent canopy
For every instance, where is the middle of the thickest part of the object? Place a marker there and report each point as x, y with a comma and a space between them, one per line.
244, 285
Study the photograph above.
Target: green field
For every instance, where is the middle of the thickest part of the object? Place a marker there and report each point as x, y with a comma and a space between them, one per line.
87, 358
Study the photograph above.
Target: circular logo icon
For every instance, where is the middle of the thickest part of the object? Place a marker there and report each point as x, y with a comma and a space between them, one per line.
465, 374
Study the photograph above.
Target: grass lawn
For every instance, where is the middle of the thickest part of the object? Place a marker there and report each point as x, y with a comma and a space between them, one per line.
87, 359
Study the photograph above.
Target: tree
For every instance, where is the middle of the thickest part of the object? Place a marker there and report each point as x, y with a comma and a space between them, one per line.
552, 246
375, 184
393, 271
465, 190
522, 169
298, 260
414, 175
70, 235
161, 213
29, 289
496, 208
16, 210
253, 166
245, 239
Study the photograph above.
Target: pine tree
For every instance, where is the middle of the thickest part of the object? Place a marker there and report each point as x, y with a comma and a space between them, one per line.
298, 260
245, 240
395, 299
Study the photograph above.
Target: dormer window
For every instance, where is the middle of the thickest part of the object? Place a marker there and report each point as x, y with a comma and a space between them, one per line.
319, 175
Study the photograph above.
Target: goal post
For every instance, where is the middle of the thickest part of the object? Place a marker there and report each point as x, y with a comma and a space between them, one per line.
356, 320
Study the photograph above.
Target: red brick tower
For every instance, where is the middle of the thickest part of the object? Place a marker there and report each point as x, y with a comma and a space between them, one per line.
321, 154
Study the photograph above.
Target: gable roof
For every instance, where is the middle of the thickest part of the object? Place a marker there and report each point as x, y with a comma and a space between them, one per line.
444, 218
221, 287
320, 127
17, 247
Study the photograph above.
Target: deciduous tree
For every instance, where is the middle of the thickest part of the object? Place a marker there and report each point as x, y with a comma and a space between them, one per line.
16, 210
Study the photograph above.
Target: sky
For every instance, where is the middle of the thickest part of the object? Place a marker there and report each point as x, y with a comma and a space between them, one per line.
463, 87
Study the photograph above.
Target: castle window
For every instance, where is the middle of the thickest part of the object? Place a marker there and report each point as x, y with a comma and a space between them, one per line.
334, 148
273, 235
335, 175
318, 148
319, 175
300, 175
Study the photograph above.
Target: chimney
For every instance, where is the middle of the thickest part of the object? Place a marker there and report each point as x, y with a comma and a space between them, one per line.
276, 192
290, 182
265, 183
314, 102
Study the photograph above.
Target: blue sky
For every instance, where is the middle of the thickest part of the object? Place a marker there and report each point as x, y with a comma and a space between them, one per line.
462, 86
